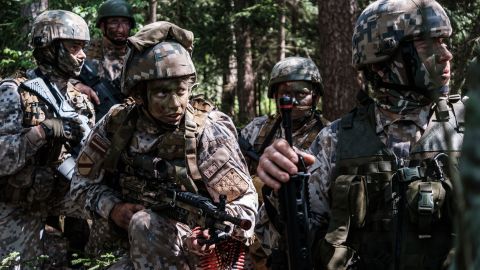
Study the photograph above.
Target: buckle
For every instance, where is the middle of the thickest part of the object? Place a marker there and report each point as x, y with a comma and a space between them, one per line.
408, 174
425, 202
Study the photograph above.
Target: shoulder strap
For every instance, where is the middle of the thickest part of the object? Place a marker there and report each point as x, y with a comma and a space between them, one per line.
195, 118
120, 128
271, 127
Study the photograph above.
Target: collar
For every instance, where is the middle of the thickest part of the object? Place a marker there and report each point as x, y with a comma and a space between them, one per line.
384, 118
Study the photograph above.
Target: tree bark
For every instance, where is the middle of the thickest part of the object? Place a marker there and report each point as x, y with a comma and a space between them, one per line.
336, 20
281, 32
229, 64
245, 83
152, 15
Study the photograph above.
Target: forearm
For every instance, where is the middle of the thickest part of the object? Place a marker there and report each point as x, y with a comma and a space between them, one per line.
94, 196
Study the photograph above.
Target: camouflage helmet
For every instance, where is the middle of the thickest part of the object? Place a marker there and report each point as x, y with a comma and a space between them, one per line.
115, 8
385, 24
295, 69
58, 24
164, 60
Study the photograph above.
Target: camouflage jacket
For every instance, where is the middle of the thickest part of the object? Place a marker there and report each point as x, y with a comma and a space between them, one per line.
106, 58
302, 138
219, 159
28, 159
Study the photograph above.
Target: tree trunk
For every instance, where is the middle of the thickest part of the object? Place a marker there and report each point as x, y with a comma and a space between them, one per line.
281, 32
336, 20
30, 11
229, 86
245, 85
152, 15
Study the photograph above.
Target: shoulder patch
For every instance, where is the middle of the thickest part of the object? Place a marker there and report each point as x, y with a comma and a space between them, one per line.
85, 164
91, 159
232, 184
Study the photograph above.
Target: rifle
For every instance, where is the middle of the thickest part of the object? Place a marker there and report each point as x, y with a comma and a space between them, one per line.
108, 91
187, 207
196, 210
294, 203
50, 94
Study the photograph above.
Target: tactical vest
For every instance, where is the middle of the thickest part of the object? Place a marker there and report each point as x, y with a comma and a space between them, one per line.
178, 147
393, 214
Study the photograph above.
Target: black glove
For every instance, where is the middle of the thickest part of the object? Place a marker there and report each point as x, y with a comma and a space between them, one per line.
66, 129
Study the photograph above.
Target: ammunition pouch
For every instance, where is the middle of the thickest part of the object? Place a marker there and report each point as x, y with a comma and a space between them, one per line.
349, 205
30, 185
330, 256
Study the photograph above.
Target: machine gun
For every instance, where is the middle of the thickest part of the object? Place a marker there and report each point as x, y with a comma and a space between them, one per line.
56, 102
294, 203
108, 91
193, 209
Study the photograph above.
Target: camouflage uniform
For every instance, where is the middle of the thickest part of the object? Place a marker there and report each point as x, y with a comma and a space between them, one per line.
106, 58
384, 166
155, 241
256, 133
31, 188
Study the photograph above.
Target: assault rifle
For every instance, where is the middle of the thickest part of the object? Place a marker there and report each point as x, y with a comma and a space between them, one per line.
108, 91
294, 203
54, 99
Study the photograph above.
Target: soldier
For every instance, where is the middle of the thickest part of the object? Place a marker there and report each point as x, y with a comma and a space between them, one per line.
105, 56
297, 77
36, 141
154, 139
385, 163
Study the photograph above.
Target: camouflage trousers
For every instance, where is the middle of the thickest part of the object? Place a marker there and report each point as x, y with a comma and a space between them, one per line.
23, 229
156, 242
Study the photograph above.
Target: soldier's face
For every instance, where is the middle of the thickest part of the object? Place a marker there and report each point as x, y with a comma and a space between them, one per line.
168, 99
435, 58
71, 56
116, 29
302, 91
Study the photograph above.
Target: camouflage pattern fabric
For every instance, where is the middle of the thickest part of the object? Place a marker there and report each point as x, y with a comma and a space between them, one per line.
30, 192
88, 187
171, 60
58, 24
106, 58
265, 231
384, 24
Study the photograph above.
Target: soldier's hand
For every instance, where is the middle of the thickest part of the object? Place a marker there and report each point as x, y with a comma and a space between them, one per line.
192, 244
63, 129
122, 213
278, 162
87, 90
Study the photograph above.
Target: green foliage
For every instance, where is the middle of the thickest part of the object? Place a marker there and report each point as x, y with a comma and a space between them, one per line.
102, 262
14, 259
